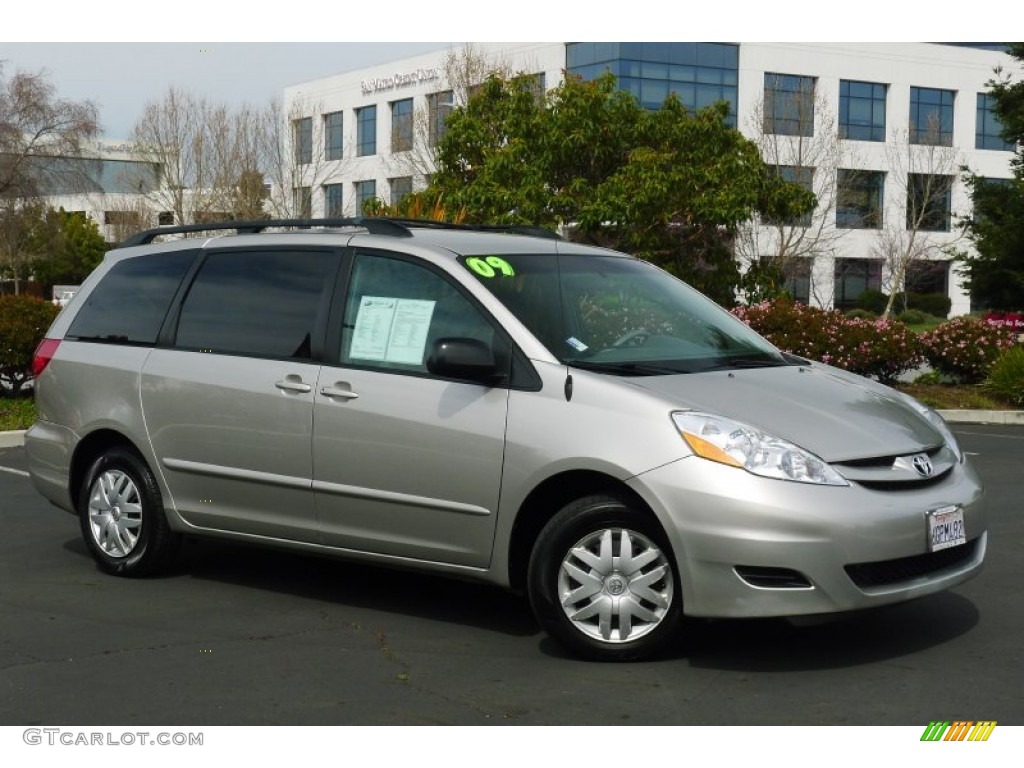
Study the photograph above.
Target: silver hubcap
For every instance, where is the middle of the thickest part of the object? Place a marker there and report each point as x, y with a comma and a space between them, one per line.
115, 513
615, 585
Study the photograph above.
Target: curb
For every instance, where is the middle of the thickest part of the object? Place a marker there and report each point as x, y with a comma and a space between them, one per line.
1006, 418
12, 439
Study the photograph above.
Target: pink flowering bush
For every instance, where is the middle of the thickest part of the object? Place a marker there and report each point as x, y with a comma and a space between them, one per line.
882, 349
965, 348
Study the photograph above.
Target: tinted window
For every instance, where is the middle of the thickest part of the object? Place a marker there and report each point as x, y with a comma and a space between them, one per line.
131, 301
259, 303
396, 310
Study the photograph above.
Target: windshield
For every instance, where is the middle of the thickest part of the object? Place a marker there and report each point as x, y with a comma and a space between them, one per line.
619, 315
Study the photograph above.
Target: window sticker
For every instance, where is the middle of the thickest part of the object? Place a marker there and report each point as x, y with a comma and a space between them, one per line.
490, 266
576, 344
391, 330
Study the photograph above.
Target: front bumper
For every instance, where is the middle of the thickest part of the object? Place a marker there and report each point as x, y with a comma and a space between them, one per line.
855, 547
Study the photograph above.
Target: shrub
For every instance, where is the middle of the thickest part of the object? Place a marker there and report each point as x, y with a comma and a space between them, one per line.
883, 349
873, 301
1006, 377
862, 314
937, 304
23, 322
914, 317
965, 349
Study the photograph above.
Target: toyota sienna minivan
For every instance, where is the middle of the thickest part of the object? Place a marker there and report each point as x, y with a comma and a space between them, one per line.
558, 419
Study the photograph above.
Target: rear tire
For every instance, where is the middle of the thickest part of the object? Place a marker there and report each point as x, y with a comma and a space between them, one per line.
602, 580
122, 516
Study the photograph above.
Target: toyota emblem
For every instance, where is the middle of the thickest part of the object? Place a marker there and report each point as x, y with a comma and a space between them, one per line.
922, 465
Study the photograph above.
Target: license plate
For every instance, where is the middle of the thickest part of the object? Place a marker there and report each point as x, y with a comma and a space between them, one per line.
946, 528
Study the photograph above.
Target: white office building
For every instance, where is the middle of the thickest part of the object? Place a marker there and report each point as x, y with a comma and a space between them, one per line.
879, 131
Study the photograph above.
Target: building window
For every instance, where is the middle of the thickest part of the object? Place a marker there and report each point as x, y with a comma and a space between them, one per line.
853, 277
929, 199
400, 187
804, 176
788, 104
401, 125
859, 197
439, 106
303, 140
365, 190
334, 136
302, 200
700, 74
931, 116
366, 131
797, 279
925, 276
333, 200
862, 110
988, 130
122, 218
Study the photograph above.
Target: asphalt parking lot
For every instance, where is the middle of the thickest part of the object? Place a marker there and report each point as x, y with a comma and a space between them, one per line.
239, 636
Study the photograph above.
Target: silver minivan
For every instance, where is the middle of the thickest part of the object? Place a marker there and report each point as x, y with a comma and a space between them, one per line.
558, 419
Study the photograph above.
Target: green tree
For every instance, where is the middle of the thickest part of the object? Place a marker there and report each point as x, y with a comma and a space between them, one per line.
23, 323
65, 248
667, 185
995, 272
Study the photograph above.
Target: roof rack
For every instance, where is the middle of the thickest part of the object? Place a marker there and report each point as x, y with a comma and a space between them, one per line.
374, 225
377, 225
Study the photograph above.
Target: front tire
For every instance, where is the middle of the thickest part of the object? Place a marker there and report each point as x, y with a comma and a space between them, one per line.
602, 580
122, 516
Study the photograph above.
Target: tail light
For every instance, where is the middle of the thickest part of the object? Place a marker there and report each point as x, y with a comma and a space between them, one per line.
44, 354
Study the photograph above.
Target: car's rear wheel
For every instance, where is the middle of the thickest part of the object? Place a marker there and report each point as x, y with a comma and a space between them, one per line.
122, 516
602, 580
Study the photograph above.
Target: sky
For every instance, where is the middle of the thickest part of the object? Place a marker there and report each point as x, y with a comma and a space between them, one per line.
121, 77
250, 53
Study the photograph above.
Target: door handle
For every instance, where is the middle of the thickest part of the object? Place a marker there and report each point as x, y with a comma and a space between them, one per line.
293, 383
342, 390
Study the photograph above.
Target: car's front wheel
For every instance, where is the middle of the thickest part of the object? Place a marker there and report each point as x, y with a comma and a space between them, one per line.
122, 516
602, 580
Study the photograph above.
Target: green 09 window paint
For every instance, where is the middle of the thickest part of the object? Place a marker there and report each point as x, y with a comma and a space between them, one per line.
490, 266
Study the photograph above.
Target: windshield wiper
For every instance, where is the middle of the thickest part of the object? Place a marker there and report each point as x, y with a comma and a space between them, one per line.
624, 369
750, 362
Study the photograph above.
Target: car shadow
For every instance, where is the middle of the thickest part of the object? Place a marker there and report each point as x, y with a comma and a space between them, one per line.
845, 640
359, 585
751, 645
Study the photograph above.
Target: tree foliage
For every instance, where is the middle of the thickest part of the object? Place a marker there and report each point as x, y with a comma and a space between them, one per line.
23, 323
995, 272
52, 246
667, 185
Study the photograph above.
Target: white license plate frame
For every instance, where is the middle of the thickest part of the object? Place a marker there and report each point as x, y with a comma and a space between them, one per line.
946, 528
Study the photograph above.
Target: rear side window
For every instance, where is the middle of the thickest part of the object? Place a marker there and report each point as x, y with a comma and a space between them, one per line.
263, 303
132, 299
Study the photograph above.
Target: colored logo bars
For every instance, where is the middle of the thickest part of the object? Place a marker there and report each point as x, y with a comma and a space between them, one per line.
961, 730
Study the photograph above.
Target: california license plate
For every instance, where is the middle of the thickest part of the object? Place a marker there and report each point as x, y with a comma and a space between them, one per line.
946, 528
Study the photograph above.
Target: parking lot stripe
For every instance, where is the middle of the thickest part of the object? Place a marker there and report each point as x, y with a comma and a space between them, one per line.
14, 471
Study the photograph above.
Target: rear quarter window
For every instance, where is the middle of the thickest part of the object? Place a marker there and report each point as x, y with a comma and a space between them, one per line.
131, 301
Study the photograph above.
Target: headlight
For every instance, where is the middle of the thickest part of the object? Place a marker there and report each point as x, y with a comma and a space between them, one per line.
739, 445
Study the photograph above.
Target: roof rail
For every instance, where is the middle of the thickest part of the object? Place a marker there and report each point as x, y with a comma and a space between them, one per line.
516, 229
377, 225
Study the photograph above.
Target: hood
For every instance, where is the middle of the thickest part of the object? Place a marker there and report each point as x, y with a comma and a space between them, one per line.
833, 415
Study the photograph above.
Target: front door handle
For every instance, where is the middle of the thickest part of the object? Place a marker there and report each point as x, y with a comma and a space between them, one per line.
293, 383
340, 389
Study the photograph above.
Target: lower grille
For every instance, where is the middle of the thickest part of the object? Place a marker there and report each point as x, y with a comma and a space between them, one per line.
886, 572
772, 578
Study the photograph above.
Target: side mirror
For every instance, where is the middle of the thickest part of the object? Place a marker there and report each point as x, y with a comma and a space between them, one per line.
470, 359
